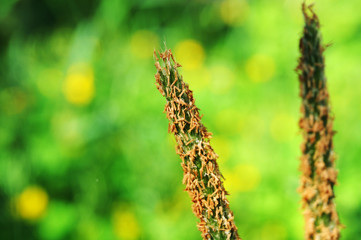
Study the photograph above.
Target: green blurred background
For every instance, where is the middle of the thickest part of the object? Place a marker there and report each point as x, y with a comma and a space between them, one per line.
84, 148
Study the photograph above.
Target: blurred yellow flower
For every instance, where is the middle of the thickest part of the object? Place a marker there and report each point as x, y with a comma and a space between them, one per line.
244, 177
79, 85
190, 54
283, 127
260, 68
143, 43
125, 224
32, 203
234, 12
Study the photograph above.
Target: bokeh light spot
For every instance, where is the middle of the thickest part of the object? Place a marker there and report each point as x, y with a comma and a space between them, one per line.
244, 177
32, 203
68, 129
190, 54
125, 225
260, 68
222, 78
234, 12
143, 43
79, 85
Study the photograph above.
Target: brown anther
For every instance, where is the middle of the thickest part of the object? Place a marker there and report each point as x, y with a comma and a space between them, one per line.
194, 149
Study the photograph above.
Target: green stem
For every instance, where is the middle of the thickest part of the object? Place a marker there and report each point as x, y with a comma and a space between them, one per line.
202, 177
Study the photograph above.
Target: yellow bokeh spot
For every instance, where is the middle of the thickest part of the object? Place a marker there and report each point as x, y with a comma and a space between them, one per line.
190, 54
32, 203
283, 127
234, 12
125, 224
197, 79
273, 231
223, 78
260, 68
143, 43
244, 177
79, 86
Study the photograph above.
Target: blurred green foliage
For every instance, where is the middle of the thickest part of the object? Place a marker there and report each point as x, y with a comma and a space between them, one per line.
84, 148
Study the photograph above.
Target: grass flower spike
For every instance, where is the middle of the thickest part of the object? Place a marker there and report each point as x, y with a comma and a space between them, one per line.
318, 159
202, 177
